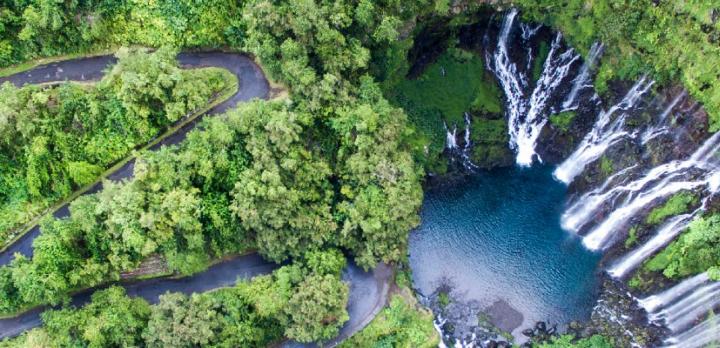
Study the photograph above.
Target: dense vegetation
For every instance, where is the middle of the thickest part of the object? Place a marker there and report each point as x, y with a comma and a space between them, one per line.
57, 139
454, 84
334, 167
671, 40
398, 325
37, 28
695, 251
251, 314
328, 168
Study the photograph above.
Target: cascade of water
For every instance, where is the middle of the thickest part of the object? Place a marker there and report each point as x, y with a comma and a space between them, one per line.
528, 32
659, 183
581, 211
680, 306
450, 137
661, 126
464, 152
511, 82
699, 336
665, 234
555, 69
526, 116
581, 81
683, 313
605, 132
653, 303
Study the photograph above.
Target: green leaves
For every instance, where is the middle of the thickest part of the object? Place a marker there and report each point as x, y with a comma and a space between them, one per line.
284, 197
317, 309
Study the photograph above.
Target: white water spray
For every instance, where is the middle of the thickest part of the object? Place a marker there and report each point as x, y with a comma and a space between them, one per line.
605, 132
464, 152
527, 116
450, 137
582, 80
654, 302
701, 335
665, 235
683, 304
661, 127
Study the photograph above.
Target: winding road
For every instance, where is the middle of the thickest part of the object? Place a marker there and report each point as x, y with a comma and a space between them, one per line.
368, 290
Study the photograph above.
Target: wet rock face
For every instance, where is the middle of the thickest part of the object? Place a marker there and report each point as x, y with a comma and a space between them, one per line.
465, 321
618, 317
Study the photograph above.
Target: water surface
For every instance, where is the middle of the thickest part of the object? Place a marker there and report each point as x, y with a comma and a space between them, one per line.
496, 236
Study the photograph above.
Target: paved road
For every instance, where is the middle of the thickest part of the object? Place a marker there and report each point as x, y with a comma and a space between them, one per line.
368, 290
368, 296
252, 85
220, 275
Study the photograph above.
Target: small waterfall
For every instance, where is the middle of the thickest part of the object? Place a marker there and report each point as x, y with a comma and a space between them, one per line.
582, 80
528, 32
605, 132
699, 336
659, 183
555, 69
467, 146
450, 137
527, 116
661, 127
665, 235
452, 145
654, 302
510, 80
680, 306
581, 211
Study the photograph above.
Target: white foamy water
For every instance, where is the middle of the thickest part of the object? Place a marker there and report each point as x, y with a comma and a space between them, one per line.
606, 131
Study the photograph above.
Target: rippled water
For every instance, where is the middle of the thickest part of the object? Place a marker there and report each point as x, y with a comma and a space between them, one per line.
497, 236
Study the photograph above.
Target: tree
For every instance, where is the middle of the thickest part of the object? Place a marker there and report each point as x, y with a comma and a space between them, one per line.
181, 321
380, 184
284, 196
317, 309
110, 319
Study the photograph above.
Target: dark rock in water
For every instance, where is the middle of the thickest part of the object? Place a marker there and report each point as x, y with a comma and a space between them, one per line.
448, 328
619, 317
552, 330
541, 326
491, 344
503, 344
528, 332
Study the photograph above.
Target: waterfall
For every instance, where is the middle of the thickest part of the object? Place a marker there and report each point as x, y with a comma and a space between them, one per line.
685, 312
661, 126
605, 132
465, 151
665, 235
450, 137
527, 116
555, 69
510, 80
659, 183
680, 306
699, 336
582, 80
581, 211
654, 302
452, 146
